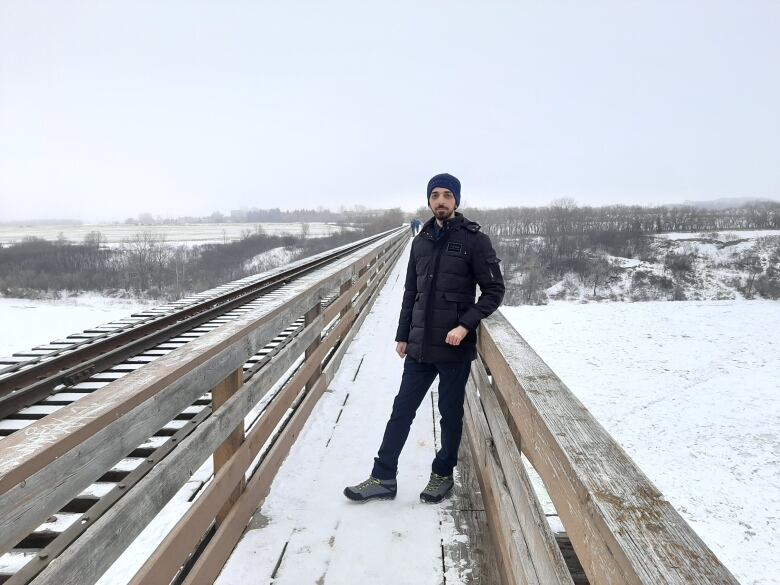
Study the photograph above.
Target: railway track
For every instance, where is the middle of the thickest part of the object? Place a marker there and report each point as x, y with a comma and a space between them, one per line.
29, 376
37, 383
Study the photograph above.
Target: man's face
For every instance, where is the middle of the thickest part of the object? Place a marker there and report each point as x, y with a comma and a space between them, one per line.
442, 203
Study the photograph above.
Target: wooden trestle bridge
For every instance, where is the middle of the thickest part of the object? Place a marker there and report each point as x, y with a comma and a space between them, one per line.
139, 405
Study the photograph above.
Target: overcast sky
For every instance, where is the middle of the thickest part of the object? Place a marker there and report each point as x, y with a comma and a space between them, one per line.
109, 109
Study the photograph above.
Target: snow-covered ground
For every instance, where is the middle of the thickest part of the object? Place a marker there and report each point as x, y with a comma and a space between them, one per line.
723, 235
717, 269
194, 233
27, 323
691, 390
270, 259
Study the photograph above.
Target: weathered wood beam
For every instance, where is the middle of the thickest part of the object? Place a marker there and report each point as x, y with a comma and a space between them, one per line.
517, 494
479, 442
220, 394
209, 564
91, 555
621, 526
171, 554
211, 561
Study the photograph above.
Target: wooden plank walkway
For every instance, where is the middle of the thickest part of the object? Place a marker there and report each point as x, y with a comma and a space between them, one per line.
468, 553
306, 531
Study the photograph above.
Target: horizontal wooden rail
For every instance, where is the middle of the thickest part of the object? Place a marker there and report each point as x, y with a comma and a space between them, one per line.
525, 545
621, 527
44, 467
173, 552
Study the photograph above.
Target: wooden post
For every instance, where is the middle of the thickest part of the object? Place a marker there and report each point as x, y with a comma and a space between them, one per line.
343, 290
219, 395
310, 316
360, 273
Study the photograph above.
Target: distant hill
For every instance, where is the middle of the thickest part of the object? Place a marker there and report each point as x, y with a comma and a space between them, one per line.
682, 266
724, 203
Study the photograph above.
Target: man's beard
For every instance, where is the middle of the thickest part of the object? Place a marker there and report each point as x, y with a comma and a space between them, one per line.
442, 213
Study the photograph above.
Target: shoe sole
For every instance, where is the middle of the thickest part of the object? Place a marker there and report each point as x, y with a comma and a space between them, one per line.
363, 500
444, 496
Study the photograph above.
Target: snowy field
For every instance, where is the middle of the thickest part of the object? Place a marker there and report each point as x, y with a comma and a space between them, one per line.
716, 269
28, 323
691, 390
722, 235
196, 233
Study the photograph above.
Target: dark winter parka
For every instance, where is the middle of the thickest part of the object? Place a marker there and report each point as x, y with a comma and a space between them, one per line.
440, 288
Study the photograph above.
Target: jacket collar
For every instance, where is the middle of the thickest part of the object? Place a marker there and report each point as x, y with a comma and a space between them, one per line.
454, 223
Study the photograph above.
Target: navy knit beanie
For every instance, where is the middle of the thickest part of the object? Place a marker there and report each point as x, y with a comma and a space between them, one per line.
446, 181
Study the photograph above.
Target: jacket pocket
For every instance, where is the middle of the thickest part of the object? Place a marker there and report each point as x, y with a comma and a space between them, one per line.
492, 265
458, 297
461, 301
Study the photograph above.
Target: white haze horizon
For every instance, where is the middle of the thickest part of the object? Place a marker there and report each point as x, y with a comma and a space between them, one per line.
162, 219
109, 110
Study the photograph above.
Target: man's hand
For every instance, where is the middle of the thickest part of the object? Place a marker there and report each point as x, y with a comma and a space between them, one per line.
400, 349
455, 336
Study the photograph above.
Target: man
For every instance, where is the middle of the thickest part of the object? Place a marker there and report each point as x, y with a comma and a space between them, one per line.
437, 336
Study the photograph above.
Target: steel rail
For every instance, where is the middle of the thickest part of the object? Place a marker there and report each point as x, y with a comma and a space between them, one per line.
28, 386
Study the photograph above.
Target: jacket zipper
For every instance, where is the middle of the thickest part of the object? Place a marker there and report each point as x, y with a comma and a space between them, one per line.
434, 273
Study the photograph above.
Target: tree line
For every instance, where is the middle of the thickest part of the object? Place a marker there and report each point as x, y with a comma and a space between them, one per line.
342, 216
539, 246
564, 216
148, 265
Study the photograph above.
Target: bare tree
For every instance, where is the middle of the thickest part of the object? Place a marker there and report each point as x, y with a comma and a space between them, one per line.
754, 268
160, 254
532, 285
143, 255
600, 271
95, 239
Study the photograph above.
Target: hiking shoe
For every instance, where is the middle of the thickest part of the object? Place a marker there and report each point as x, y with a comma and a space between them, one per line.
438, 488
372, 489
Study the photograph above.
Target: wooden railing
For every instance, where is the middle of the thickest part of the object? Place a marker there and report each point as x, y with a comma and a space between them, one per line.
54, 459
621, 527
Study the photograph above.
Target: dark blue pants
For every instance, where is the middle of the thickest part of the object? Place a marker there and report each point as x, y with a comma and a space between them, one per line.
416, 380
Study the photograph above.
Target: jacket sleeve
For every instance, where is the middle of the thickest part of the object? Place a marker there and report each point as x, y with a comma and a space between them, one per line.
491, 284
410, 293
